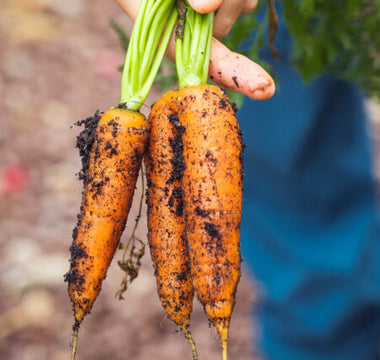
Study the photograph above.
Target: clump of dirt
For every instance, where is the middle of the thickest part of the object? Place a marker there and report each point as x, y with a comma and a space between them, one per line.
223, 103
234, 108
177, 161
212, 230
234, 78
77, 252
175, 200
200, 212
84, 142
73, 277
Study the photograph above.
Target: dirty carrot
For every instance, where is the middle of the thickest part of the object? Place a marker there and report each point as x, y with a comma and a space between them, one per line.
112, 147
113, 166
212, 193
212, 175
166, 228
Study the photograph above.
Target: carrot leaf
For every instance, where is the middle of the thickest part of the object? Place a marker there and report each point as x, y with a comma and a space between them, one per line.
150, 36
193, 47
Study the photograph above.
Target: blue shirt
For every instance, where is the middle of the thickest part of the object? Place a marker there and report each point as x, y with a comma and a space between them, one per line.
310, 228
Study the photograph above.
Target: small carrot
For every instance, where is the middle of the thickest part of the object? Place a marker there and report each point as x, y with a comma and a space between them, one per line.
167, 235
113, 167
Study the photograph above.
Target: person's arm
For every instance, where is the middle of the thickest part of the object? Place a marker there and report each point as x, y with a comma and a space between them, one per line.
228, 69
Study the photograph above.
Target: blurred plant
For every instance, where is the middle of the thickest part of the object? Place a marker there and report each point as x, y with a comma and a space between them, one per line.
336, 37
123, 37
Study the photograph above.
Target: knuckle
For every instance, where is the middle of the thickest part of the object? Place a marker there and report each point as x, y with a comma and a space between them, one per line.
222, 28
249, 6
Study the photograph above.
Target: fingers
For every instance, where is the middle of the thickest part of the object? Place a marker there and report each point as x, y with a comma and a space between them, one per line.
227, 14
236, 72
225, 18
204, 6
249, 6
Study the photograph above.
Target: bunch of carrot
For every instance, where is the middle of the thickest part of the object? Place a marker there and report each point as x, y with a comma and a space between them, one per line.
112, 147
193, 155
194, 171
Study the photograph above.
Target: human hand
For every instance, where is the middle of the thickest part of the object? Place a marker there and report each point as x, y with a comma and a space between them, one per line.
228, 69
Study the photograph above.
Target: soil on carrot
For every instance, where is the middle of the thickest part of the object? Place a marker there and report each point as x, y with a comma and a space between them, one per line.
177, 161
212, 230
85, 140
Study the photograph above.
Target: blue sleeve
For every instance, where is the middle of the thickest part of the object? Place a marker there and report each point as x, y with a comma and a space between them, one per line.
310, 229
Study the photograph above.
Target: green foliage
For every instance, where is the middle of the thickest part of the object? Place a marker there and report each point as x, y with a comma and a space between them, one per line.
336, 37
123, 37
167, 75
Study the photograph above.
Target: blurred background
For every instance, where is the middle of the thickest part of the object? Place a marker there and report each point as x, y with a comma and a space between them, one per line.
58, 64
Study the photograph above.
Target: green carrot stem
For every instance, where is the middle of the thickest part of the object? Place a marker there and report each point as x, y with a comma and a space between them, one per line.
133, 45
179, 62
193, 49
160, 52
146, 49
154, 5
205, 43
190, 32
197, 34
208, 47
156, 30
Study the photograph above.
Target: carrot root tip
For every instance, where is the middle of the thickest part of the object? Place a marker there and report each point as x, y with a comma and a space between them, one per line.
190, 339
224, 350
75, 340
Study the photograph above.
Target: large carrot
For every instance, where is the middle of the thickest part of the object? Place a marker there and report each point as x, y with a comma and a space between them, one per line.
212, 176
115, 149
212, 192
167, 236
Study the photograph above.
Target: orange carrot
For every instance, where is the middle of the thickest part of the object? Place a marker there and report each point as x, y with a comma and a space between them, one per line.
113, 166
115, 158
166, 228
212, 194
212, 176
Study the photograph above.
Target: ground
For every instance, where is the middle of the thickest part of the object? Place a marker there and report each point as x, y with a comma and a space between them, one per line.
58, 64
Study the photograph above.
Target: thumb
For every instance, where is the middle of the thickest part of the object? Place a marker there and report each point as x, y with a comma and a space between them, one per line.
205, 6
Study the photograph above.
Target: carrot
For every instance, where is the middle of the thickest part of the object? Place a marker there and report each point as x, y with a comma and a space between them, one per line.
110, 180
212, 193
208, 163
115, 146
167, 236
212, 176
